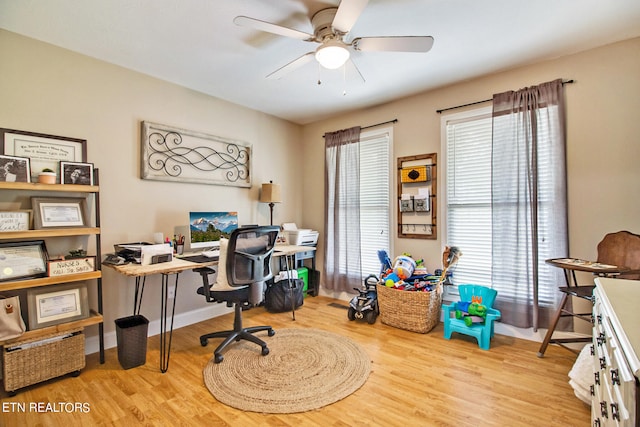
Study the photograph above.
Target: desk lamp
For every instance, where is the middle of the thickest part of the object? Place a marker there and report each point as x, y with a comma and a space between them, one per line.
270, 194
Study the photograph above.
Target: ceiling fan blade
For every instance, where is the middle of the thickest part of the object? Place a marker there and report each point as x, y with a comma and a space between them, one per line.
348, 13
245, 21
296, 63
394, 44
358, 73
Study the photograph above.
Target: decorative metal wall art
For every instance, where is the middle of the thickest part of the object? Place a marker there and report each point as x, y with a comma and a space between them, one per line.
173, 154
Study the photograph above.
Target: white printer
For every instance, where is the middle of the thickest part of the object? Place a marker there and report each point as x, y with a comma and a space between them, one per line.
299, 236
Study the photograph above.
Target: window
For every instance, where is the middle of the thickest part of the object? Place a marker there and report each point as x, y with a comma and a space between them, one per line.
375, 190
374, 151
468, 145
468, 193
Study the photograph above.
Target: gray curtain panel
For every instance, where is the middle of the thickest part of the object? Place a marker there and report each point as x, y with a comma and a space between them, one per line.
343, 269
529, 202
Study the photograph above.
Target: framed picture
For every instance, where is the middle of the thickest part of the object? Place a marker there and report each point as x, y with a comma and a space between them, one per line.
59, 212
23, 260
15, 220
14, 169
44, 151
52, 305
76, 173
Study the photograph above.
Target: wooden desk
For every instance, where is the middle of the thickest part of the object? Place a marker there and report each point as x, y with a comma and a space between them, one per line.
280, 250
165, 269
569, 267
175, 267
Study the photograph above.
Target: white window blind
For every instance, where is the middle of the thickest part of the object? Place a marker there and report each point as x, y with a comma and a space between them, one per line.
375, 187
468, 192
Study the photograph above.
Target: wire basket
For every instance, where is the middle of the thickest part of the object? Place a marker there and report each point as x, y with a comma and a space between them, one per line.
32, 361
409, 310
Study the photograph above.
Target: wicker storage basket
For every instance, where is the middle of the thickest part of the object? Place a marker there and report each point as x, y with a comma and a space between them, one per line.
32, 361
413, 311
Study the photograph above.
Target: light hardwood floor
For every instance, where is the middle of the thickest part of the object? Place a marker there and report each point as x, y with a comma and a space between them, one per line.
416, 380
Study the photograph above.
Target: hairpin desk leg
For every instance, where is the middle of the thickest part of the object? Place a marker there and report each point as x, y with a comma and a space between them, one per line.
139, 290
165, 336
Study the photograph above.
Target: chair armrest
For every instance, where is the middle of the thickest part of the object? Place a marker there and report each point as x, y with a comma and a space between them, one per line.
493, 314
206, 286
448, 308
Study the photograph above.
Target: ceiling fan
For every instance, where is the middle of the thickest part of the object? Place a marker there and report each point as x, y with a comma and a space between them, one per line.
331, 28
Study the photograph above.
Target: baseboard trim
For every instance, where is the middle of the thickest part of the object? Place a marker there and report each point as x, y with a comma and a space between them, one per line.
92, 343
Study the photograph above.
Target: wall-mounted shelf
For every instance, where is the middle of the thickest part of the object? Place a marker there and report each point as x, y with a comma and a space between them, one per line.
417, 196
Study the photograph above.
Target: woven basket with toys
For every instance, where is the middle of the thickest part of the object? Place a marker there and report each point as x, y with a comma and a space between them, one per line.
408, 296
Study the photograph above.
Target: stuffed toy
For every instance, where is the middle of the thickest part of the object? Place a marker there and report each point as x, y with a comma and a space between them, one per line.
403, 266
391, 279
471, 312
450, 256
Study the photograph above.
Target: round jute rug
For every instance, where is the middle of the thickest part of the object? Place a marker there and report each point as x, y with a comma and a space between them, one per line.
305, 369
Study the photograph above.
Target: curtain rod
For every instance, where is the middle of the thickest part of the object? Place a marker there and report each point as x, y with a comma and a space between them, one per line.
483, 101
377, 124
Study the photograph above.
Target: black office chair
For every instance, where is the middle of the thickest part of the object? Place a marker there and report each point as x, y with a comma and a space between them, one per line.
248, 261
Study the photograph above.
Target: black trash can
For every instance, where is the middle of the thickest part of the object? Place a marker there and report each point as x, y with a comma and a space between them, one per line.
131, 335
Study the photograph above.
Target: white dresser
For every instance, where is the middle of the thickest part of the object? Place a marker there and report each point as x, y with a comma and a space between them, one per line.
616, 346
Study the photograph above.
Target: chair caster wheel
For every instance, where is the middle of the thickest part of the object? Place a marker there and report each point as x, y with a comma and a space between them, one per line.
265, 351
271, 332
218, 358
203, 342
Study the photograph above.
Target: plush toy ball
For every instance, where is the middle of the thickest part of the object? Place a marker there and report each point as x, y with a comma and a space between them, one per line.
391, 279
404, 267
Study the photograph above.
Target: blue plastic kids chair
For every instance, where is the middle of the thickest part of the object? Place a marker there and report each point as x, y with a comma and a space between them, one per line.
473, 315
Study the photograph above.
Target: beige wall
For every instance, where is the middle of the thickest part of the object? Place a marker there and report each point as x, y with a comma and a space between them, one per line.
603, 145
51, 90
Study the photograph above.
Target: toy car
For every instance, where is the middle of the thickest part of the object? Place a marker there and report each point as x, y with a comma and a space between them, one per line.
365, 305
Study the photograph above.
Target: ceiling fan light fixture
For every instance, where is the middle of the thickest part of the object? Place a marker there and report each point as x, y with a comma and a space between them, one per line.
332, 54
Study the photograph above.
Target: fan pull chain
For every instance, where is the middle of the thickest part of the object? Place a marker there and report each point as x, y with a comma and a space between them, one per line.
319, 70
344, 79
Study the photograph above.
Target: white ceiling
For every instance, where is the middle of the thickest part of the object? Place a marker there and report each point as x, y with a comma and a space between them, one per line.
194, 43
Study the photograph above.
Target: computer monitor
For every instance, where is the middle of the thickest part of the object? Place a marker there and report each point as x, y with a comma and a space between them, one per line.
207, 228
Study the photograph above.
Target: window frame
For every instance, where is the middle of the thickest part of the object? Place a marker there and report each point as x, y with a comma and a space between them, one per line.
451, 291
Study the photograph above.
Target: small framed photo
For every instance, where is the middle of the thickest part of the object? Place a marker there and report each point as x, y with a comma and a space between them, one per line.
18, 220
23, 260
76, 173
59, 212
15, 169
52, 305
